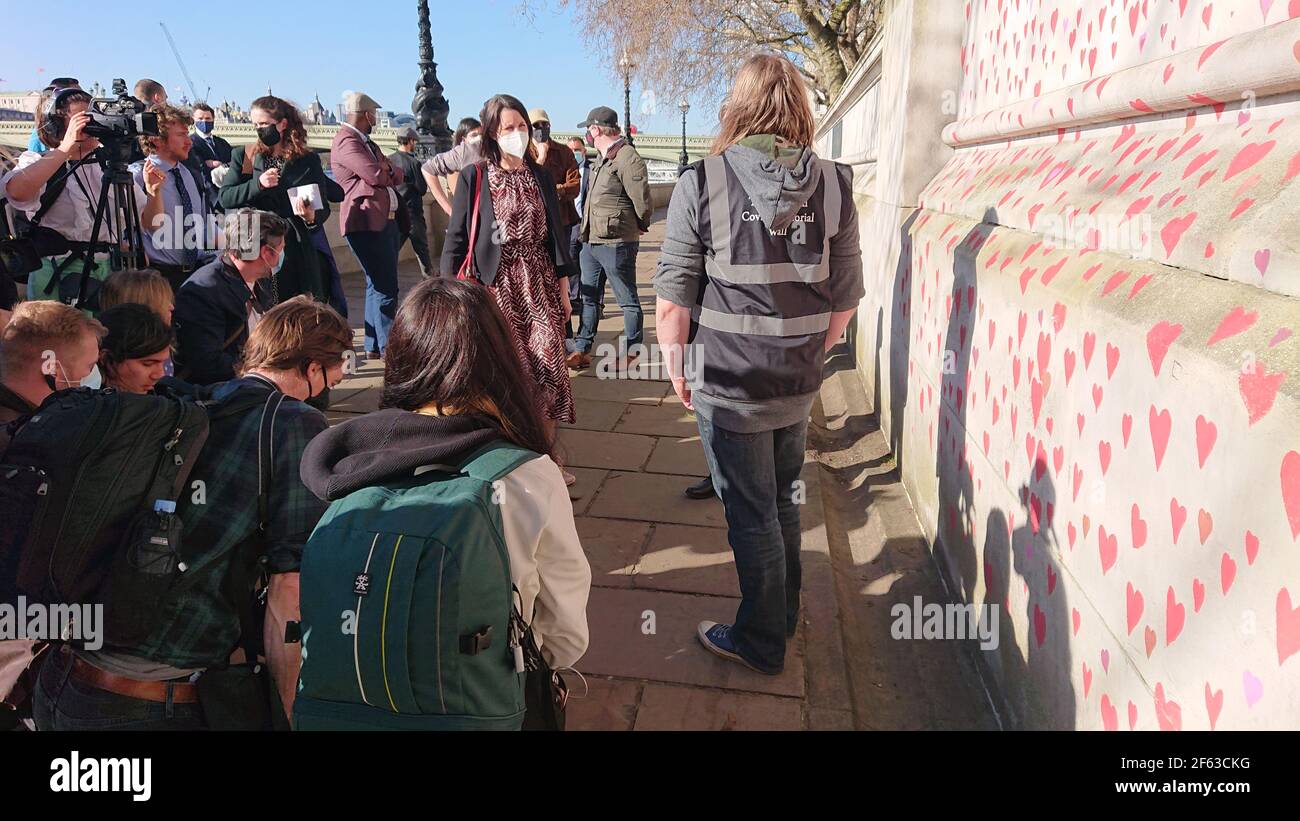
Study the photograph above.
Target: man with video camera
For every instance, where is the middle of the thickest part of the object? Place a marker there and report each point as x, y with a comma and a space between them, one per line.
59, 191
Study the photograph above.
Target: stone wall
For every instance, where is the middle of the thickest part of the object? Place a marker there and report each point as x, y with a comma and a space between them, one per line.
1080, 334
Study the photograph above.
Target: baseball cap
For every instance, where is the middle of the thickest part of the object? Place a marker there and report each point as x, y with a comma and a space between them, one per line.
356, 101
600, 115
539, 115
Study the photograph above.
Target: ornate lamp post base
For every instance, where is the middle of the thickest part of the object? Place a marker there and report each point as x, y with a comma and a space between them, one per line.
430, 107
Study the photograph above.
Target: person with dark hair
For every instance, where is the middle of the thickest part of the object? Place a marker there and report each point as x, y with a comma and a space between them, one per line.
261, 176
57, 84
228, 620
579, 149
522, 252
209, 150
412, 191
466, 143
134, 352
372, 214
452, 388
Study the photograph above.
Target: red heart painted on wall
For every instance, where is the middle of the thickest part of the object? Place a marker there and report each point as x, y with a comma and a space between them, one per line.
1108, 545
1139, 527
1258, 389
1198, 595
1159, 338
1149, 639
1206, 433
1132, 715
1288, 627
1252, 547
1040, 625
1291, 490
1133, 605
1175, 617
1227, 572
1087, 679
1205, 523
1160, 424
1213, 704
1177, 516
1168, 714
1109, 716
1126, 426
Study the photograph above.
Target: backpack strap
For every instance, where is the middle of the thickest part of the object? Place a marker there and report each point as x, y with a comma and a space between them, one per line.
495, 460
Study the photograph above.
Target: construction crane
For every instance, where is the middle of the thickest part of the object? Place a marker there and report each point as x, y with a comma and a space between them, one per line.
181, 63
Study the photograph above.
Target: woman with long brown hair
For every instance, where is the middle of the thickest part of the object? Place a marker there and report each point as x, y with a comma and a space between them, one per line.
261, 176
455, 400
519, 249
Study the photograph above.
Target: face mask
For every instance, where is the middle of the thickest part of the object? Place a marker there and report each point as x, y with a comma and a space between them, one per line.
204, 126
92, 380
279, 263
474, 140
541, 134
311, 392
580, 157
515, 143
269, 135
589, 139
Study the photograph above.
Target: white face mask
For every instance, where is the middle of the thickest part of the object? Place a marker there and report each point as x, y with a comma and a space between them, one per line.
515, 143
474, 140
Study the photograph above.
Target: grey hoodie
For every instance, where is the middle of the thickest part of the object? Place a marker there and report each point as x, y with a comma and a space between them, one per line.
778, 182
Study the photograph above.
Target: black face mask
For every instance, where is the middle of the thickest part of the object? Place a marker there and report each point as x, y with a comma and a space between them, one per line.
541, 134
588, 139
269, 135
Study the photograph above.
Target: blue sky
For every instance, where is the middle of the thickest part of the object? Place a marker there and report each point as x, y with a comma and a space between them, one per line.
482, 47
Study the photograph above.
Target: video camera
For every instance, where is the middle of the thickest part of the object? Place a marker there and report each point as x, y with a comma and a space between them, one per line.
122, 117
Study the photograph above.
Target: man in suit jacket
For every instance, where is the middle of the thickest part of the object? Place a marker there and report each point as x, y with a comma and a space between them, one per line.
220, 303
208, 150
368, 217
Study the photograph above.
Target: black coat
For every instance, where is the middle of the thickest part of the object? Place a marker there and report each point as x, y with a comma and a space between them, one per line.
487, 254
302, 272
202, 153
211, 321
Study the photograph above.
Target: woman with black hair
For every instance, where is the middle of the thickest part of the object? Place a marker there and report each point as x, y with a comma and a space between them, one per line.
507, 233
134, 353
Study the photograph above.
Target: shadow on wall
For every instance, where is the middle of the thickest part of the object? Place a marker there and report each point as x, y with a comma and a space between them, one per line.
900, 340
1019, 551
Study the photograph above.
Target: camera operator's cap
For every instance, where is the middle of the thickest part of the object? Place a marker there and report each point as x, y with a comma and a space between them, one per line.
356, 101
600, 115
539, 115
407, 133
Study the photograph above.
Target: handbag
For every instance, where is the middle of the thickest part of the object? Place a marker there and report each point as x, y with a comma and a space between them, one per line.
546, 694
21, 255
467, 267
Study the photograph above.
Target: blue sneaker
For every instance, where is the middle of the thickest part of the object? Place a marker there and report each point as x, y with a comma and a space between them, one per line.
716, 638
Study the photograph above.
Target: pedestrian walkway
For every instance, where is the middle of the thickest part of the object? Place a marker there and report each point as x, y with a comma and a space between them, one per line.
661, 563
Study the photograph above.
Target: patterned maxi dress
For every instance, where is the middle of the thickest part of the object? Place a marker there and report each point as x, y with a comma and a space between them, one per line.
525, 288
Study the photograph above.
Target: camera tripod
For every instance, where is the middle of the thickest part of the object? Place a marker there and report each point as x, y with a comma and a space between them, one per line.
127, 252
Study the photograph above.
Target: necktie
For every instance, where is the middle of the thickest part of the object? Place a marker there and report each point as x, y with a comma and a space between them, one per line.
189, 255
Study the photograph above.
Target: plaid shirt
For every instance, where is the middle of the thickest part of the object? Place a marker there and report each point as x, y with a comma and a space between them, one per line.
199, 623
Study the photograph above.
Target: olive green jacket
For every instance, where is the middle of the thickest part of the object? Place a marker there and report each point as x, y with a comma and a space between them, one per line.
618, 205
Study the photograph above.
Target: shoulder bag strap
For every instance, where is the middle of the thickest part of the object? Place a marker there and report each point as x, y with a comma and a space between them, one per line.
467, 267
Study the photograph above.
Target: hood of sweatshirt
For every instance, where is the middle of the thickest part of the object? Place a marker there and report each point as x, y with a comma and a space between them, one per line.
387, 446
778, 177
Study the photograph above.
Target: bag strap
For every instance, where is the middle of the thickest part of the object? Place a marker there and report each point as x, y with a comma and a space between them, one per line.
53, 190
467, 267
495, 460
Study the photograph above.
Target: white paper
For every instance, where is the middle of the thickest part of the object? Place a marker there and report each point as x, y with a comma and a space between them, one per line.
307, 192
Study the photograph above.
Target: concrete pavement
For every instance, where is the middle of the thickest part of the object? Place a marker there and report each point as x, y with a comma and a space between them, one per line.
661, 563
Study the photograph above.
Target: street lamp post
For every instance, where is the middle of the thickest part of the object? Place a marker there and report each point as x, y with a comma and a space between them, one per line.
685, 160
626, 65
430, 107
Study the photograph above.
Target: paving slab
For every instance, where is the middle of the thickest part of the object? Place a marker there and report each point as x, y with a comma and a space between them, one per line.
610, 704
612, 547
584, 490
664, 420
688, 559
593, 415
362, 401
668, 707
672, 654
635, 391
654, 497
598, 449
683, 455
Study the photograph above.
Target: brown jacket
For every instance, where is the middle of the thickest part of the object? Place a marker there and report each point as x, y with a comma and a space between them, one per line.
618, 206
369, 181
564, 170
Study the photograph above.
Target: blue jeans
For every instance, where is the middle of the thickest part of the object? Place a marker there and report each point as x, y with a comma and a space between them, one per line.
755, 474
377, 253
338, 299
617, 262
61, 703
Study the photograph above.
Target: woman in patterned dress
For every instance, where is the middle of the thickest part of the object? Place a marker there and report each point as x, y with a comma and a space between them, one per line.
521, 251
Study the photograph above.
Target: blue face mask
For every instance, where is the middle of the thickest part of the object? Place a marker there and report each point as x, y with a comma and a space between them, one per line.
279, 263
204, 127
580, 156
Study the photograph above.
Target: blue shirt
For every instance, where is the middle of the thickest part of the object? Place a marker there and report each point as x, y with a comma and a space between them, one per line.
164, 244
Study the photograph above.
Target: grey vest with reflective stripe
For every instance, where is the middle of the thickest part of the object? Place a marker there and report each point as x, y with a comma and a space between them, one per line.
766, 302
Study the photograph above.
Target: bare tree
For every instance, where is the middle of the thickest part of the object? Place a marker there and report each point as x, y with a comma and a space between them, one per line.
694, 46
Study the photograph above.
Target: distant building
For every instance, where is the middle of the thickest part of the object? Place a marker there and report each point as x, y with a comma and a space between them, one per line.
318, 114
24, 101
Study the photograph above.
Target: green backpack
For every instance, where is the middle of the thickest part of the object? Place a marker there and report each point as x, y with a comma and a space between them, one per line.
406, 606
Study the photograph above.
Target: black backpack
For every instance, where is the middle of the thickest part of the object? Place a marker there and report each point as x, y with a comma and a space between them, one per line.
88, 490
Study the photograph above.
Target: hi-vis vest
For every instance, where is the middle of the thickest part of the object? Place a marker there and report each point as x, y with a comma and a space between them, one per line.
766, 301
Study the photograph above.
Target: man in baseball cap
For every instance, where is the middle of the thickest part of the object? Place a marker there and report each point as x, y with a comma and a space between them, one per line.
600, 115
412, 192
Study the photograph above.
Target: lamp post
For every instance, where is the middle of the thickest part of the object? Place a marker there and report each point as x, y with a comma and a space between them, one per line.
685, 160
430, 107
626, 65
